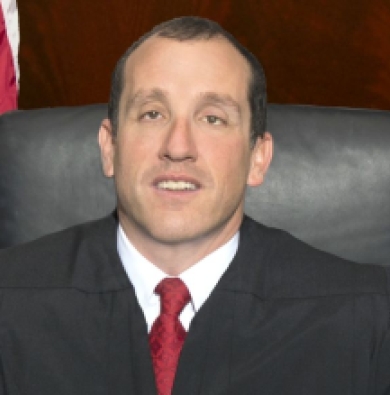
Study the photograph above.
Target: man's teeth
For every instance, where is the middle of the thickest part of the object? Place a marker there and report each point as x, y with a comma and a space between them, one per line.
176, 185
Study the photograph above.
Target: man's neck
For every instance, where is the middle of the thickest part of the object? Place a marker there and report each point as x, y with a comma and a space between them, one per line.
174, 258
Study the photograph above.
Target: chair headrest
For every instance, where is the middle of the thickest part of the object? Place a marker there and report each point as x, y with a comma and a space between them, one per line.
329, 183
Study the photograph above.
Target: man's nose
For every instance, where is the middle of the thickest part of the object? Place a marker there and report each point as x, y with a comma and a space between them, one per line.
179, 143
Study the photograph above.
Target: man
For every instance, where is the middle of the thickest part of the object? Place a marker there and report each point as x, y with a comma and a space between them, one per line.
256, 311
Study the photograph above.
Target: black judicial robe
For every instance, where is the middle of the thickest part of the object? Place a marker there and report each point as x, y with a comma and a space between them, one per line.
284, 319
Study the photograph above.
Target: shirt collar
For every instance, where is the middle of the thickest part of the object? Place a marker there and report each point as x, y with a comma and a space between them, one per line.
200, 278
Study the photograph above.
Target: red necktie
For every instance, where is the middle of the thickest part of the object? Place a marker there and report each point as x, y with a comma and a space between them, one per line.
167, 335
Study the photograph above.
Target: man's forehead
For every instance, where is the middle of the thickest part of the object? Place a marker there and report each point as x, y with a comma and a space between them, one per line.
144, 60
156, 40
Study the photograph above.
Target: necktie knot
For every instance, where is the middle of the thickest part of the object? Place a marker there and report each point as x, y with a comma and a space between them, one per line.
174, 295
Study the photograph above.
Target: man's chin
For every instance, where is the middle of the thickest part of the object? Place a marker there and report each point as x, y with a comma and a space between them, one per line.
187, 233
174, 235
169, 230
177, 228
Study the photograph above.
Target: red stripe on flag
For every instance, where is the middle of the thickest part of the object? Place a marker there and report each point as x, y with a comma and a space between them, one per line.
8, 85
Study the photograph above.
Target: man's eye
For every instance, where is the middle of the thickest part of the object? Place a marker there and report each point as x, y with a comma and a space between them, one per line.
214, 120
151, 115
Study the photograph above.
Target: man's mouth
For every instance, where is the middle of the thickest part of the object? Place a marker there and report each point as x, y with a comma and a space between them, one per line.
179, 185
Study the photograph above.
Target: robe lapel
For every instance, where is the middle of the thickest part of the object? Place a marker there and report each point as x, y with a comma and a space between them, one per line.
142, 367
130, 365
205, 361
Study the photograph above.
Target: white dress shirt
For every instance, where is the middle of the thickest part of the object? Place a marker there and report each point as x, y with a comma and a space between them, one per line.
200, 278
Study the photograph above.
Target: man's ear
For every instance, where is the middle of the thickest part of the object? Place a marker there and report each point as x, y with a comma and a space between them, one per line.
106, 142
260, 159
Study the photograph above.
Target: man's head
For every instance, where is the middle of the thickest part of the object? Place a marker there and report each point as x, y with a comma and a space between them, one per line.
195, 28
179, 143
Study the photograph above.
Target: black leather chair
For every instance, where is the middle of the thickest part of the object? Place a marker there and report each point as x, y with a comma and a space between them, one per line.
329, 183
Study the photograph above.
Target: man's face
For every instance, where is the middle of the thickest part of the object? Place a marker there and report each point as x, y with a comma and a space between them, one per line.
182, 155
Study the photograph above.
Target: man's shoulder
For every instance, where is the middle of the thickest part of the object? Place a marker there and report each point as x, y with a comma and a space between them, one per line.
50, 260
288, 267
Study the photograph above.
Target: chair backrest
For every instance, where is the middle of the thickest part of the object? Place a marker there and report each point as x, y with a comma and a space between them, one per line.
329, 183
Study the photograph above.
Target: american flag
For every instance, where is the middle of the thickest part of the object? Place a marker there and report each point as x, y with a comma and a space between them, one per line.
9, 48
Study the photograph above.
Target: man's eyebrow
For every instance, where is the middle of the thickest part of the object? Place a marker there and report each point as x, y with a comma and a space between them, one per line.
142, 95
223, 99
